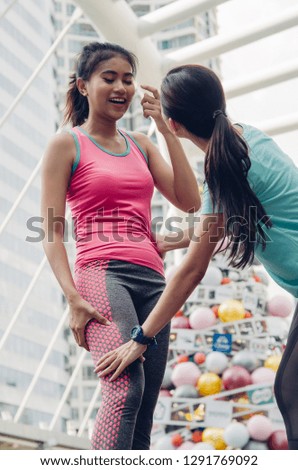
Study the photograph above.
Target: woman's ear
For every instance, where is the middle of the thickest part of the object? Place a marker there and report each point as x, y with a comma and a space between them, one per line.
81, 86
173, 126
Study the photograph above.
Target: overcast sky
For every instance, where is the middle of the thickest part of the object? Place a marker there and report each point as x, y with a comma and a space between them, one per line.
274, 101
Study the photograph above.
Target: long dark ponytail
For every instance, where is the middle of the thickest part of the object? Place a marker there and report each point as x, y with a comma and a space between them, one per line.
76, 107
193, 96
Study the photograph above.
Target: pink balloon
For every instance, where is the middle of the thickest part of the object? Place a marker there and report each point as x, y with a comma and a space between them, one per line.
165, 393
180, 322
185, 373
236, 377
263, 375
280, 306
202, 317
259, 427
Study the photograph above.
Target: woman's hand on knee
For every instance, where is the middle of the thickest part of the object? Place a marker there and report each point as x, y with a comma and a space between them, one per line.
120, 358
80, 313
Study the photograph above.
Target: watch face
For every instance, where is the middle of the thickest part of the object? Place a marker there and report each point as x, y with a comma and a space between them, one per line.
135, 332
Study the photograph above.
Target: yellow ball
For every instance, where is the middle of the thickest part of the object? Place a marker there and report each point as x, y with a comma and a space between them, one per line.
272, 362
215, 437
231, 310
209, 383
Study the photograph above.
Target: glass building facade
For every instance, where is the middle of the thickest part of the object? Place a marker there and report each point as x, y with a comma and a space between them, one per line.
27, 32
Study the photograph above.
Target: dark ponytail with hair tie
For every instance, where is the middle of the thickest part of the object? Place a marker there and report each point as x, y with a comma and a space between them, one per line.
76, 107
193, 96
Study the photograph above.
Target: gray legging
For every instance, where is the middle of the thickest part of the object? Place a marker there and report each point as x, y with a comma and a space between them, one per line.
286, 384
125, 293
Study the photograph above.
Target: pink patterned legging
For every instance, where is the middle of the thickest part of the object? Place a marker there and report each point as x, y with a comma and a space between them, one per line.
125, 293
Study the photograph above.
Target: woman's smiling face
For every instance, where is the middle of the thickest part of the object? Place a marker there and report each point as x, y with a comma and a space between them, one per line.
110, 88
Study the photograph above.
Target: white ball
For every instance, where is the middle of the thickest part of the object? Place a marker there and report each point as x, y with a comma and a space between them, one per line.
203, 446
213, 276
236, 435
216, 362
164, 443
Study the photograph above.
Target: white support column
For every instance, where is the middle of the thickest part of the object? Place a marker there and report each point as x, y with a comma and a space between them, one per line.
223, 43
67, 389
279, 125
173, 13
7, 8
20, 196
19, 308
40, 366
89, 410
266, 78
75, 16
118, 24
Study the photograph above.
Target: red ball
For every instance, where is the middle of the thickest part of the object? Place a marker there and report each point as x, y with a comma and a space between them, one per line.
179, 313
278, 440
225, 280
196, 436
248, 314
182, 358
176, 440
199, 358
215, 310
236, 377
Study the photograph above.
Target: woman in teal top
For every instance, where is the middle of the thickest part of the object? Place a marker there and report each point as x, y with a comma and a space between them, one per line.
250, 198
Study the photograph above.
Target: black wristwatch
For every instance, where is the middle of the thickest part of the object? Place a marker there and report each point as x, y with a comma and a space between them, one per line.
137, 335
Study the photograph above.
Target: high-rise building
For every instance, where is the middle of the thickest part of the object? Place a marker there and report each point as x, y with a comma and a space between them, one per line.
27, 32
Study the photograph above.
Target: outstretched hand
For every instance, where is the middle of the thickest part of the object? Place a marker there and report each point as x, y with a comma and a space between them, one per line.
120, 358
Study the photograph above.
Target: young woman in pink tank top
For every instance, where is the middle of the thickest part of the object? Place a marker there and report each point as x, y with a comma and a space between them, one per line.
107, 178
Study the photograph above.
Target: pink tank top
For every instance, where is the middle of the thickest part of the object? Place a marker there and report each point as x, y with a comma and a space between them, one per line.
110, 199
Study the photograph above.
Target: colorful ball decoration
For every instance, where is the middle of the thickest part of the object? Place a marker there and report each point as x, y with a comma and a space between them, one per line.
180, 322
231, 310
263, 375
199, 358
216, 362
170, 271
187, 445
180, 313
236, 435
186, 391
256, 445
272, 362
209, 384
164, 443
215, 437
236, 377
176, 440
247, 359
213, 277
167, 381
280, 306
182, 358
164, 393
278, 440
259, 427
201, 318
203, 446
225, 280
186, 373
196, 436
277, 327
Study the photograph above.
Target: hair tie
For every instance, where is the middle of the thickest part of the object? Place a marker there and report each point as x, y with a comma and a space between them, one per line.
218, 112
